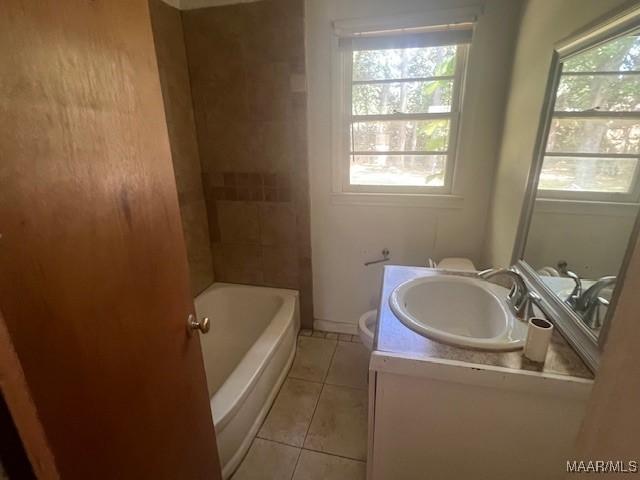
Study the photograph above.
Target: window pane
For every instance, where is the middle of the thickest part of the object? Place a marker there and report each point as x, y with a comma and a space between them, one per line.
400, 135
404, 97
404, 170
572, 135
404, 63
589, 174
620, 54
600, 92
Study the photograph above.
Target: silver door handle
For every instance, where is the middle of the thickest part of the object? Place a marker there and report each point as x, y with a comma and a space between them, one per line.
203, 325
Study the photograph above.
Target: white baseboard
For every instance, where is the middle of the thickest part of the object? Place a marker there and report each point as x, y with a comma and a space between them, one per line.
336, 327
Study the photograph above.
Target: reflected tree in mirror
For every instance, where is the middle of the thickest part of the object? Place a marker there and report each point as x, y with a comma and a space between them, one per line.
588, 190
594, 138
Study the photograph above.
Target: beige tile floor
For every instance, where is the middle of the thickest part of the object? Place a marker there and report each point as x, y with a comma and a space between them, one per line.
317, 426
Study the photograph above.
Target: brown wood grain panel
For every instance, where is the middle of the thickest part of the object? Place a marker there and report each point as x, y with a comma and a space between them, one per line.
23, 411
93, 273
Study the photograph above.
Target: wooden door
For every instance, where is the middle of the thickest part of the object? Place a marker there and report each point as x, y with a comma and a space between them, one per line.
93, 271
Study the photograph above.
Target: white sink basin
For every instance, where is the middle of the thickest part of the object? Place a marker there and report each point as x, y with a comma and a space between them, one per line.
466, 312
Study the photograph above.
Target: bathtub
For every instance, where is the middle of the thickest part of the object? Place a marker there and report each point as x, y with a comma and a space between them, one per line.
246, 356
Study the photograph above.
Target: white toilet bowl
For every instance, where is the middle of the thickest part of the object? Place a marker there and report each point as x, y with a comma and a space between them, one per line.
457, 263
366, 328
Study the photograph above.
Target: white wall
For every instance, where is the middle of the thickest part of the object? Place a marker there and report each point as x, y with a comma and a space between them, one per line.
544, 23
346, 235
592, 238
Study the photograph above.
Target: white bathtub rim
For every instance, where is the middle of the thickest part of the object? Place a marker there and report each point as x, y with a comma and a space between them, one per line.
234, 462
227, 400
234, 391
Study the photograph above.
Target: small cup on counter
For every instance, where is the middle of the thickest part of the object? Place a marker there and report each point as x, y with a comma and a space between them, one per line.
538, 339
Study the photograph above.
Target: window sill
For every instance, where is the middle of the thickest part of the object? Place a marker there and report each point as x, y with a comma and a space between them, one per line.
586, 207
397, 200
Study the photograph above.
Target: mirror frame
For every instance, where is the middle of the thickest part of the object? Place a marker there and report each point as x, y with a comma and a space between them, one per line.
568, 322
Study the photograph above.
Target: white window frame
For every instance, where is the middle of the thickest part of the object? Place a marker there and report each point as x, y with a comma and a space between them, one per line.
454, 122
633, 195
342, 190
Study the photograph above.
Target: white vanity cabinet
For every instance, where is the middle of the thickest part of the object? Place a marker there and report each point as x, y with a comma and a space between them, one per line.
446, 420
439, 412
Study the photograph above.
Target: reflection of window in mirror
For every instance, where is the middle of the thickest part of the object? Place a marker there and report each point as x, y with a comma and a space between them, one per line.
589, 181
593, 148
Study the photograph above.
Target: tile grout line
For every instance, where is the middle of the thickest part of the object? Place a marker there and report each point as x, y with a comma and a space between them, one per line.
305, 380
315, 408
333, 354
334, 455
323, 383
347, 386
295, 467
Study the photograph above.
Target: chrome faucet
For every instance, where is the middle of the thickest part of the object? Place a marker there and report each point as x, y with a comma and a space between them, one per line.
519, 299
589, 303
576, 293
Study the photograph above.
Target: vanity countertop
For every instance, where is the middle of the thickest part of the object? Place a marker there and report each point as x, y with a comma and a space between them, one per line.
393, 337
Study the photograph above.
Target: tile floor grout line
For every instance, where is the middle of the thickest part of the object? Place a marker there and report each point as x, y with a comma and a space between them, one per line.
279, 442
295, 467
323, 383
304, 380
315, 408
333, 354
333, 455
346, 386
257, 435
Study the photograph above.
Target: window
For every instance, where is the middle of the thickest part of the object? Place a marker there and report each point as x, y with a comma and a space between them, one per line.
593, 147
402, 109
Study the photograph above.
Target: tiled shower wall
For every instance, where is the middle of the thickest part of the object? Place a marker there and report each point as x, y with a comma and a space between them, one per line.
247, 67
176, 92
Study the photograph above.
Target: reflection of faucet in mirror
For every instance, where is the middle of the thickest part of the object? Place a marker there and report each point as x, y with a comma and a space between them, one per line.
520, 299
575, 294
589, 303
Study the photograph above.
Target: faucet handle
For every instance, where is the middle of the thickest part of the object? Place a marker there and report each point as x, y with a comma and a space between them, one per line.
531, 301
593, 316
484, 273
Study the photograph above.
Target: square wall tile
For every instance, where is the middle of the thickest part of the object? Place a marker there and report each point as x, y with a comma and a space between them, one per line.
280, 266
238, 222
277, 224
237, 263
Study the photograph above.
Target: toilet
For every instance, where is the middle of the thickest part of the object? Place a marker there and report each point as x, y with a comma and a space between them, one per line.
457, 263
367, 327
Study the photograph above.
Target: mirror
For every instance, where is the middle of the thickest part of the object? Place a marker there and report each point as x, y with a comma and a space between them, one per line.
585, 188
